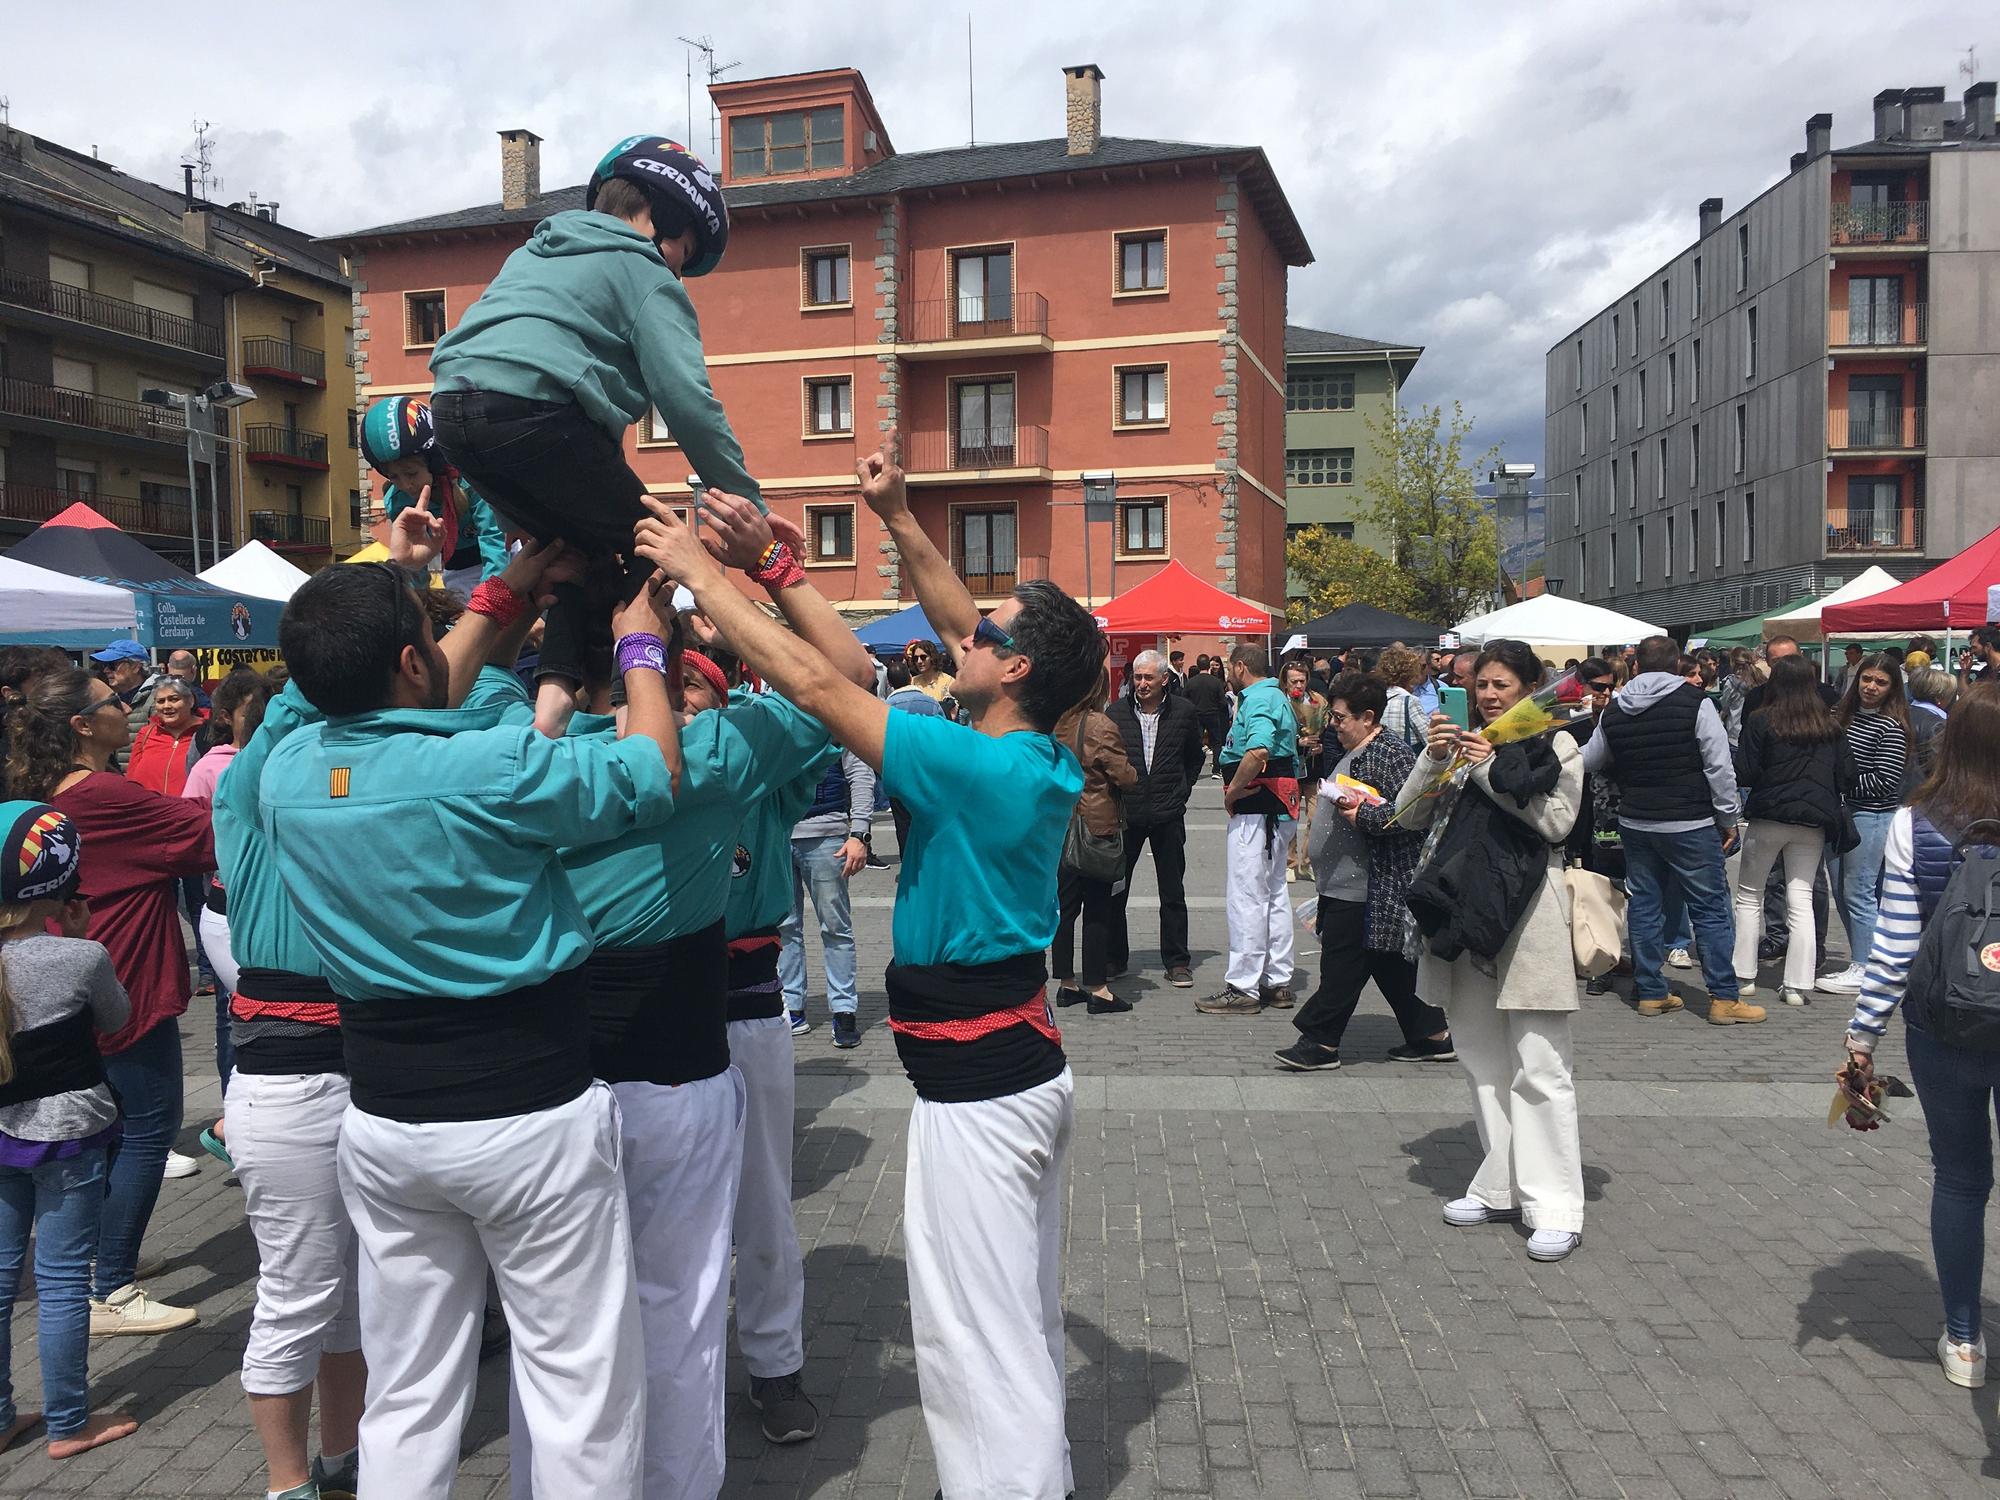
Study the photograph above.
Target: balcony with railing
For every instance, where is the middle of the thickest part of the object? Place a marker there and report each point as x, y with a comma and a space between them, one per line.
57, 299
943, 327
1905, 327
161, 511
1894, 430
281, 359
1863, 224
72, 408
286, 530
1893, 528
990, 456
270, 443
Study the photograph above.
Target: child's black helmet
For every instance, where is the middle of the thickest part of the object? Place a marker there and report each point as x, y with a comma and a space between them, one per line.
683, 192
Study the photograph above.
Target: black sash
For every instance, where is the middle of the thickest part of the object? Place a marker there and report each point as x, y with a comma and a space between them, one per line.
57, 1057
659, 1013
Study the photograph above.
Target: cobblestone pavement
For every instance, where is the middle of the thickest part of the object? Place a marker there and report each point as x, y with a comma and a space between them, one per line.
1262, 1298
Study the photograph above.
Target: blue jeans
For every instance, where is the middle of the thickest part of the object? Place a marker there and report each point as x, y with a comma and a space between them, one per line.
147, 1076
1858, 882
1956, 1087
1690, 865
61, 1200
816, 868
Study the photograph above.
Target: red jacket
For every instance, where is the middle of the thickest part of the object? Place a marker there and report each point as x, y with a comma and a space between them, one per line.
160, 760
134, 843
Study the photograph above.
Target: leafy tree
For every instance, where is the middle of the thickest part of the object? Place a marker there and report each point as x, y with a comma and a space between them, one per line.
1339, 571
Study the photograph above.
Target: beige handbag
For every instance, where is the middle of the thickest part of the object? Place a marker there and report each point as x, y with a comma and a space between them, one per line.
1596, 921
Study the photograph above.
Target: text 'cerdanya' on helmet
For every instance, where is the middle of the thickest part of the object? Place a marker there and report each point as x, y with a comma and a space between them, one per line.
683, 192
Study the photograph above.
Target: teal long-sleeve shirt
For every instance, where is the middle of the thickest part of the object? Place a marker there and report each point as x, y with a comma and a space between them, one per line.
421, 847
264, 931
760, 883
588, 312
476, 523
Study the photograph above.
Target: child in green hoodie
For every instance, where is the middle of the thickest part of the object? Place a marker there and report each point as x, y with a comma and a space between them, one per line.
584, 329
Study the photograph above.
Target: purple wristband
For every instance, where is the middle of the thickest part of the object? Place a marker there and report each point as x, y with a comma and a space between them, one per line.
642, 649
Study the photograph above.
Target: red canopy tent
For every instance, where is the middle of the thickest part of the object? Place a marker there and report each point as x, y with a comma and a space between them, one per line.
1951, 596
1175, 602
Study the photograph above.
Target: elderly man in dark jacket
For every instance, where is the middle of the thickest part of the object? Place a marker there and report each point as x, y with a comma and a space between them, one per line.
1162, 734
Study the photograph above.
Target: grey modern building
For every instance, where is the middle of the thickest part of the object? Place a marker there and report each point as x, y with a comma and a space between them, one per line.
1812, 386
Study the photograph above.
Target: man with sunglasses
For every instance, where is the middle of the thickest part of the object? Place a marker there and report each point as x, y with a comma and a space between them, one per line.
968, 1005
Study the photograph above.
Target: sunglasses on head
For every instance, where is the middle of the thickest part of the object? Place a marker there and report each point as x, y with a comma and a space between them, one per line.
986, 633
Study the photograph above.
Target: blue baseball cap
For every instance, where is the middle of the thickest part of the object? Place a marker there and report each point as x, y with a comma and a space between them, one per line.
121, 651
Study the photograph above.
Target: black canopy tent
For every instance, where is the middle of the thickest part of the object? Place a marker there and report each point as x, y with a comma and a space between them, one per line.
1363, 625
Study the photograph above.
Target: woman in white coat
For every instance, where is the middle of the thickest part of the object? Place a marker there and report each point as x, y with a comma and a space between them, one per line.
1510, 1015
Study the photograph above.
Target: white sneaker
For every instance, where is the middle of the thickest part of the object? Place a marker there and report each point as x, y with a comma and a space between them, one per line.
1679, 958
1793, 997
1552, 1244
1466, 1212
130, 1310
180, 1166
1964, 1364
1846, 982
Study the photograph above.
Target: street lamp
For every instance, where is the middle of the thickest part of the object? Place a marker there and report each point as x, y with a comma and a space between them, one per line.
223, 394
1100, 503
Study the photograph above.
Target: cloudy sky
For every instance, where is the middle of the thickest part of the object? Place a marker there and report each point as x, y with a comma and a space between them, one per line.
1473, 177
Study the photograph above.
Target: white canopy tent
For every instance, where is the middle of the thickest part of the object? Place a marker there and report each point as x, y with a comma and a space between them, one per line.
256, 570
39, 607
1802, 624
1550, 620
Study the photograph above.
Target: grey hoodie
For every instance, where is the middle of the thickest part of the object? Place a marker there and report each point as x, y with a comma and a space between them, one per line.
1641, 693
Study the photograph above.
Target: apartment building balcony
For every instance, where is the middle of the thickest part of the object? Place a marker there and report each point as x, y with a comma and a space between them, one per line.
952, 327
288, 532
1877, 328
73, 304
57, 409
1889, 528
162, 511
988, 457
1894, 226
281, 359
1894, 430
292, 447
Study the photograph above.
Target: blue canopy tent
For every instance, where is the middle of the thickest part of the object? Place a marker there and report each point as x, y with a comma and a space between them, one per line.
889, 635
174, 607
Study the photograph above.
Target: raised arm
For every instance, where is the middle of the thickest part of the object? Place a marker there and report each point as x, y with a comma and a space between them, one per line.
480, 637
742, 533
946, 600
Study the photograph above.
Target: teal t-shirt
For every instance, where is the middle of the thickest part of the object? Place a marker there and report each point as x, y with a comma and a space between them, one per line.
420, 846
264, 931
760, 874
1264, 721
987, 818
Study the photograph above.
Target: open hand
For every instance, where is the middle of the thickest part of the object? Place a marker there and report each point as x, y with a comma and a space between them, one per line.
881, 479
853, 857
534, 571
667, 541
1474, 747
742, 531
416, 535
649, 612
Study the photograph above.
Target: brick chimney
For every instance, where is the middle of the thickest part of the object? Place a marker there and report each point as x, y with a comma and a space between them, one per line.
1979, 111
1084, 107
1819, 136
1711, 216
520, 168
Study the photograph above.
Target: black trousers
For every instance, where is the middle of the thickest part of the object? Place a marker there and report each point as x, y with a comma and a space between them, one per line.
1214, 730
899, 818
1079, 895
1346, 964
552, 473
1169, 841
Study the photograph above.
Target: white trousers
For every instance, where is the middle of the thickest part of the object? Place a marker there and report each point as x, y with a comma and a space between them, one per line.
683, 1149
538, 1197
284, 1135
1801, 848
1524, 1102
982, 1230
770, 1271
1260, 913
213, 930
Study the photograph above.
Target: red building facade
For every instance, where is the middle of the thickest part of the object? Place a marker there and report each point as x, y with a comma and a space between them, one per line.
1024, 314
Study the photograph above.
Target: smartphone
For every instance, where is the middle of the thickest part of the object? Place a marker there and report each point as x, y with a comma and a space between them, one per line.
1452, 704
696, 489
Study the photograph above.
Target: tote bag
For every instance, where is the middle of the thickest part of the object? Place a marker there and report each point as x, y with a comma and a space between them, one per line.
1596, 921
1095, 856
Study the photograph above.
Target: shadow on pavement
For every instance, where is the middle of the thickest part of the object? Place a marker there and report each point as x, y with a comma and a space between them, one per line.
1445, 1159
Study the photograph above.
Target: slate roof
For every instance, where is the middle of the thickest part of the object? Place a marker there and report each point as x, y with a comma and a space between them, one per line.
1318, 341
916, 171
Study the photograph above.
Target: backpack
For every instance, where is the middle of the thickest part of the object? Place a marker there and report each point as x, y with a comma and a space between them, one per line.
1956, 973
1410, 723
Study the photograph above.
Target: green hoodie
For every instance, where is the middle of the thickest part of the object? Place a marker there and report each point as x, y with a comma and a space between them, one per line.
588, 312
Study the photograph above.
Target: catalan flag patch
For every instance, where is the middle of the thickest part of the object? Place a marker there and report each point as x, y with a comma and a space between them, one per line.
337, 781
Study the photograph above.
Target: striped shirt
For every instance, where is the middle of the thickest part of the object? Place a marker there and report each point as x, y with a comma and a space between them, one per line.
1881, 749
1898, 929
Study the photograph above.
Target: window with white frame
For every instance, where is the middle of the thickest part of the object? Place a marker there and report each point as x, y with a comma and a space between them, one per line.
826, 276
1142, 261
1142, 526
830, 533
830, 406
1142, 397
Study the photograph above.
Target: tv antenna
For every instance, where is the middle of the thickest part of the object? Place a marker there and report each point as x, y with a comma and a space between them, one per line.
203, 160
712, 71
4, 116
971, 117
1968, 66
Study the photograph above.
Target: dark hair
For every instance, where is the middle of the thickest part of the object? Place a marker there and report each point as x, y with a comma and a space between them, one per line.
1592, 667
1924, 643
19, 664
1792, 707
1296, 664
1894, 653
897, 675
243, 692
1780, 640
1894, 705
1964, 786
443, 608
41, 744
1659, 653
1201, 662
624, 200
1517, 657
344, 632
1059, 637
1177, 656
277, 674
1361, 693
1361, 659
1252, 658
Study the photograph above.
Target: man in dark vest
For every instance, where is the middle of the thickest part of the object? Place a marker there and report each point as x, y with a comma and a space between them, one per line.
1663, 742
